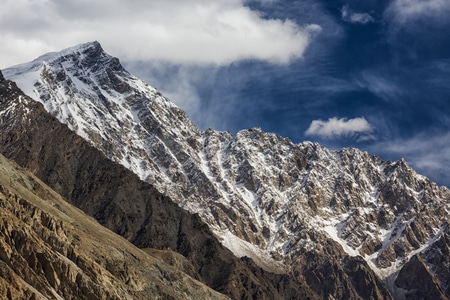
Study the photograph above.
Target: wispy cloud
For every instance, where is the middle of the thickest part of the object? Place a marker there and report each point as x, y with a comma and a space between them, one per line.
427, 152
177, 31
350, 16
405, 11
180, 84
417, 30
379, 83
335, 128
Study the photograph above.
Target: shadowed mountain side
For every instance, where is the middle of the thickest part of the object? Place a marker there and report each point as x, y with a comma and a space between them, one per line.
121, 202
52, 250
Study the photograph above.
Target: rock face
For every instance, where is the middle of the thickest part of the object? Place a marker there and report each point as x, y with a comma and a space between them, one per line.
343, 222
416, 278
51, 250
120, 201
426, 275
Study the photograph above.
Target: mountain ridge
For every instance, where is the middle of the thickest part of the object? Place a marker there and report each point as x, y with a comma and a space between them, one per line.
260, 193
117, 199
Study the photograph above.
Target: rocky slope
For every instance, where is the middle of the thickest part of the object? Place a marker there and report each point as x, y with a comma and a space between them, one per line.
297, 209
119, 200
51, 250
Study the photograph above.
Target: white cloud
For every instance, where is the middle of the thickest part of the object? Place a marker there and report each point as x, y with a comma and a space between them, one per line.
348, 15
335, 128
178, 31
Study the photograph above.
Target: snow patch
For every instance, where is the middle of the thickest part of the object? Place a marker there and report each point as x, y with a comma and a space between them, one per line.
241, 248
333, 230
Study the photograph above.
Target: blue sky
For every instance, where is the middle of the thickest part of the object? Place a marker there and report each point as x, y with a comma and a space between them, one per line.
368, 74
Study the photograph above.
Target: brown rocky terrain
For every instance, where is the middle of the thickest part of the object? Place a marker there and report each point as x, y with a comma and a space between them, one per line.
51, 250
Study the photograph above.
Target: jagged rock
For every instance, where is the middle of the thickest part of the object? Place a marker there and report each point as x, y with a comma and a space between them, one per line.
437, 257
419, 283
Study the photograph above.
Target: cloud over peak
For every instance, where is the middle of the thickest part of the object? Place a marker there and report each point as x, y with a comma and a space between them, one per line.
189, 31
335, 128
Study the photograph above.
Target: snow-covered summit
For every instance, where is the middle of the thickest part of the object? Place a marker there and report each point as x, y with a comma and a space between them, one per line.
90, 91
280, 203
23, 73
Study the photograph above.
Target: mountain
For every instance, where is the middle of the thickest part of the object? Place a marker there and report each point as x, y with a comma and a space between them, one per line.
344, 223
51, 250
120, 201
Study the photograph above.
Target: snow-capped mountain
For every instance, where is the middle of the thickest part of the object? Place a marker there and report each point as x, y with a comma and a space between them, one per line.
288, 206
120, 201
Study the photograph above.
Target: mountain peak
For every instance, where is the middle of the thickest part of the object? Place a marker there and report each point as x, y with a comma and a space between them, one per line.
86, 48
91, 49
92, 55
101, 101
1, 76
83, 56
90, 45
